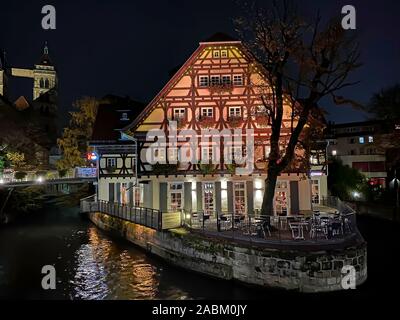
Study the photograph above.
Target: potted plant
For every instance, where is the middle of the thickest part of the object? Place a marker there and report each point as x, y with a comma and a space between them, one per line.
164, 168
206, 122
235, 121
207, 168
221, 88
111, 169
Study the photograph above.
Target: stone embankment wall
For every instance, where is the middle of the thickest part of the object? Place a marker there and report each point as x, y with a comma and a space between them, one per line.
309, 271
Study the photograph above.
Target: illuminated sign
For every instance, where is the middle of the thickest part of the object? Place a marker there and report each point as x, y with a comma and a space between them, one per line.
92, 156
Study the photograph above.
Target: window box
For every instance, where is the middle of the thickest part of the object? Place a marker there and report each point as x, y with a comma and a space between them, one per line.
111, 169
164, 168
235, 121
219, 88
206, 122
207, 168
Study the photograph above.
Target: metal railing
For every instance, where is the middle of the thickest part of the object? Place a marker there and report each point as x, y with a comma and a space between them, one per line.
147, 217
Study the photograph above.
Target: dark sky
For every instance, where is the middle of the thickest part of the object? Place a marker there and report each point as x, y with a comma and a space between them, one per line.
128, 47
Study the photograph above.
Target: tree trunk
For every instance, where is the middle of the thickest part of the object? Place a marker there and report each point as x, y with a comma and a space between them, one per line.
268, 199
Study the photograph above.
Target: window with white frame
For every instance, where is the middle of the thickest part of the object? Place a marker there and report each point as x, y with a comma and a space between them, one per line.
235, 111
226, 79
207, 112
111, 162
238, 80
203, 81
175, 196
208, 197
214, 80
179, 113
239, 197
224, 53
282, 198
216, 54
139, 195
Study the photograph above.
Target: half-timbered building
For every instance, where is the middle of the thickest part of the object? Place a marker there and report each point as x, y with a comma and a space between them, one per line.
217, 89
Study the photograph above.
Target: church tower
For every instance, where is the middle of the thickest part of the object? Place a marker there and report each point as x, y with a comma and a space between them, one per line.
44, 76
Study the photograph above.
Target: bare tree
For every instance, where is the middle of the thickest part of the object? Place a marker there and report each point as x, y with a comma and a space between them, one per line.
302, 64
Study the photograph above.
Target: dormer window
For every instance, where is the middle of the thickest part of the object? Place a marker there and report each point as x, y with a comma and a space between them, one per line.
216, 54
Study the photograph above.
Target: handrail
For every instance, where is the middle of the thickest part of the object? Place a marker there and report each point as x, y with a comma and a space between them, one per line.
148, 217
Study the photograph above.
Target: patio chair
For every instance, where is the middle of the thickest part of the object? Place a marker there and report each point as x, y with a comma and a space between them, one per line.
265, 227
318, 228
297, 230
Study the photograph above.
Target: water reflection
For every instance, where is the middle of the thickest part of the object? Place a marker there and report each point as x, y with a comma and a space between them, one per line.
103, 271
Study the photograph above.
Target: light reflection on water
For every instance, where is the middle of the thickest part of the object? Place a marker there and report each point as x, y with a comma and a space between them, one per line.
90, 264
103, 271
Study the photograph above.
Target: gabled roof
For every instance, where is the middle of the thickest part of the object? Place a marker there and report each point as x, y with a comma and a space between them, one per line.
110, 119
178, 74
21, 103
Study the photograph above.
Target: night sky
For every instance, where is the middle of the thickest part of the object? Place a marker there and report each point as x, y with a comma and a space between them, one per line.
128, 47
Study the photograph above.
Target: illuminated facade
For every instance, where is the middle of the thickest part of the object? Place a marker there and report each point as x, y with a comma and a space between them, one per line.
217, 89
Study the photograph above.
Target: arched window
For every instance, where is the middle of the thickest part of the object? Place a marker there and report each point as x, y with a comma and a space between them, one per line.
47, 83
41, 83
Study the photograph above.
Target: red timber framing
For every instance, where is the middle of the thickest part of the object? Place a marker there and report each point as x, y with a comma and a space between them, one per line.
218, 76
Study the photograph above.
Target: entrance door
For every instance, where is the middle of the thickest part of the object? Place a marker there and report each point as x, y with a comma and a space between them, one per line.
282, 198
175, 196
208, 198
239, 197
315, 191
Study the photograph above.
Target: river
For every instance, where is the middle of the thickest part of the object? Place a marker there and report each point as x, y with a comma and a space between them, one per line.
91, 264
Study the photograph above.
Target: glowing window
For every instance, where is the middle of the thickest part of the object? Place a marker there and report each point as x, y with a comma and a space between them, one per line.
224, 53
216, 54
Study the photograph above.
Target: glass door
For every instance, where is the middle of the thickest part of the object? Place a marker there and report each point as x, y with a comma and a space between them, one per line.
239, 197
208, 198
282, 198
175, 196
315, 191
